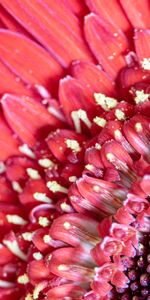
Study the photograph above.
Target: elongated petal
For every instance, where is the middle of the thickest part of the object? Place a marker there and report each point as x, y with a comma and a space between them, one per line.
65, 290
105, 46
93, 78
108, 9
138, 12
8, 143
47, 29
76, 6
28, 118
15, 49
142, 46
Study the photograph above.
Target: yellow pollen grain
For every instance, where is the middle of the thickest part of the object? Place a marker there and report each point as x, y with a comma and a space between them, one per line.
141, 97
89, 167
42, 197
54, 186
46, 163
16, 187
43, 221
100, 121
37, 255
73, 145
27, 236
98, 146
146, 63
138, 127
72, 178
33, 174
23, 279
29, 297
120, 115
117, 134
107, 103
47, 239
15, 219
27, 151
67, 225
65, 207
110, 157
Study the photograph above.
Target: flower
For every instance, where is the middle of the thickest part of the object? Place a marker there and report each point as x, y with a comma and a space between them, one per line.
75, 173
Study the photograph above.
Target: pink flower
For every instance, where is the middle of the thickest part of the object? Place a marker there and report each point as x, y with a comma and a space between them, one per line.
75, 172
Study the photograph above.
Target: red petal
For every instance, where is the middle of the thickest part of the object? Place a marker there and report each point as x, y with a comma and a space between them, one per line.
24, 58
46, 26
76, 6
28, 118
71, 263
138, 12
108, 9
105, 46
8, 143
93, 78
74, 229
6, 256
7, 195
73, 98
142, 46
10, 83
65, 290
38, 271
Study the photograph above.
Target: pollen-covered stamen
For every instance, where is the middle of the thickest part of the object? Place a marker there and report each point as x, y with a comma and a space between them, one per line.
17, 187
141, 97
42, 197
46, 163
73, 145
27, 151
38, 289
120, 115
15, 219
43, 221
12, 244
100, 121
107, 103
33, 174
78, 116
75, 229
55, 187
23, 279
146, 63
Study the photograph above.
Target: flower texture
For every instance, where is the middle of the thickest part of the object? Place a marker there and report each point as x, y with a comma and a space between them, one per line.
75, 150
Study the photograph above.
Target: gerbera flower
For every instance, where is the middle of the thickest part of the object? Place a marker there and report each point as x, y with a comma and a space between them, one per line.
75, 150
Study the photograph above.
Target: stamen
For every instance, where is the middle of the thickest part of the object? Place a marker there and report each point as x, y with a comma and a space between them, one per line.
42, 197
73, 145
23, 279
54, 186
26, 150
120, 115
43, 221
15, 219
80, 115
100, 121
33, 174
107, 103
146, 63
141, 97
16, 187
46, 163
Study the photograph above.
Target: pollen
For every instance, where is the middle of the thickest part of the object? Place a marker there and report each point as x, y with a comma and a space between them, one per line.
16, 187
138, 127
27, 236
67, 225
110, 157
89, 167
15, 219
33, 174
27, 151
62, 268
42, 197
54, 186
23, 279
107, 103
146, 64
73, 145
117, 134
72, 178
29, 297
47, 238
141, 97
98, 146
78, 115
100, 121
46, 163
65, 207
37, 255
120, 115
2, 167
43, 221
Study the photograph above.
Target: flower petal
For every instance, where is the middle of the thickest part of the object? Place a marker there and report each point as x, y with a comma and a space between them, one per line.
142, 46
